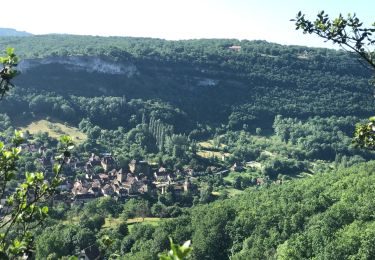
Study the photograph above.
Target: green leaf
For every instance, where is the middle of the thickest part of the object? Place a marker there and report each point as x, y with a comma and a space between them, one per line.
56, 168
39, 176
65, 139
45, 210
10, 51
29, 177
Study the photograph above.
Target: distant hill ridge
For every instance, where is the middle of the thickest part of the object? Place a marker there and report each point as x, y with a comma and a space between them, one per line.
206, 79
13, 32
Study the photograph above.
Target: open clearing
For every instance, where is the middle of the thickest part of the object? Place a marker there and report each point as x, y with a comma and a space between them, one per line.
112, 222
150, 221
209, 154
55, 130
209, 144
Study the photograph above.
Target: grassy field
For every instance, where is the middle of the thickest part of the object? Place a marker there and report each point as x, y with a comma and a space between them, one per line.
209, 144
209, 154
206, 144
150, 221
232, 175
111, 222
55, 130
205, 150
233, 192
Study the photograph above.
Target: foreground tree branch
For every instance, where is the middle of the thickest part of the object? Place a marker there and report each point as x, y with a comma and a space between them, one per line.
351, 35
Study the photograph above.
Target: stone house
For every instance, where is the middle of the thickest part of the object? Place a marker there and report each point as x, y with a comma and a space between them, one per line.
108, 163
107, 190
137, 167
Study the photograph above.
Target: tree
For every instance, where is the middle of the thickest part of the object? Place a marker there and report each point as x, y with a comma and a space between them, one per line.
347, 32
25, 208
210, 237
351, 35
8, 72
136, 208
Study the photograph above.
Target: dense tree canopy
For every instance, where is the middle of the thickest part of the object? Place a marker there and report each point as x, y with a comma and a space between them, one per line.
283, 112
180, 79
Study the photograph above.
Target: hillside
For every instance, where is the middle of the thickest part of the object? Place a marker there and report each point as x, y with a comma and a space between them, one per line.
245, 146
326, 216
158, 100
204, 79
12, 32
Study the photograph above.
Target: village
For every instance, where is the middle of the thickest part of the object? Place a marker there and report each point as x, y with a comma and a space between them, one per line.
103, 177
139, 179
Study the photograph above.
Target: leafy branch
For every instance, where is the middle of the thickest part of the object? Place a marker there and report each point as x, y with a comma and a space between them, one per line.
349, 33
8, 72
177, 252
25, 208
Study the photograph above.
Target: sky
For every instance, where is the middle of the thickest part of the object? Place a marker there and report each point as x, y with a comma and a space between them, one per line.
179, 19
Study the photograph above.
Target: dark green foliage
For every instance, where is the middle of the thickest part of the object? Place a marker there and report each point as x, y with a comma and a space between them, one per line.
136, 208
312, 215
326, 216
274, 167
103, 206
92, 223
185, 78
211, 237
179, 92
63, 240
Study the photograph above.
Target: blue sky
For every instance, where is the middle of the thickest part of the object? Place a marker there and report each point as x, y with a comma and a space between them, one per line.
179, 19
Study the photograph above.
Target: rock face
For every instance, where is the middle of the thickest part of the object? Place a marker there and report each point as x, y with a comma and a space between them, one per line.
83, 63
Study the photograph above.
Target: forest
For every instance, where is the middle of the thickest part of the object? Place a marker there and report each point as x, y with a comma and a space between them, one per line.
266, 128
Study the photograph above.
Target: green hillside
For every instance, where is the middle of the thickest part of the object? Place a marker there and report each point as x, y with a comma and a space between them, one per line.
247, 151
327, 216
203, 78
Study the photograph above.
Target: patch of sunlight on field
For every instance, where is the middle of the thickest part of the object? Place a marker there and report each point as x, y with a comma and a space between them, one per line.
206, 144
209, 144
138, 220
234, 192
111, 222
209, 154
150, 221
55, 130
